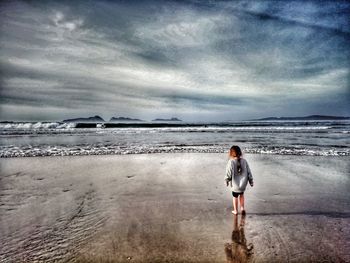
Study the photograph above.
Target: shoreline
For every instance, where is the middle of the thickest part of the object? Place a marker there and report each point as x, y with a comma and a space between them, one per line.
152, 153
9, 153
152, 208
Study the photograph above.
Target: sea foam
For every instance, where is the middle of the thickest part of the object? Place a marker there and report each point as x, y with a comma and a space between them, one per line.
111, 149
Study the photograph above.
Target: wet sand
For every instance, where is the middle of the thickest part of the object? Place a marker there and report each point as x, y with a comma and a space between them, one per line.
173, 208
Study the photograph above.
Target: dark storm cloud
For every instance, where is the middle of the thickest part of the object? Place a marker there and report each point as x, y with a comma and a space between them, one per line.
198, 60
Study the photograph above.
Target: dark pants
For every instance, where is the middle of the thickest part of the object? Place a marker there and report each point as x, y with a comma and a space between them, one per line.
234, 194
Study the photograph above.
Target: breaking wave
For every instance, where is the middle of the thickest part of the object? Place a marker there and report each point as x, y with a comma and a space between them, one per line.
37, 125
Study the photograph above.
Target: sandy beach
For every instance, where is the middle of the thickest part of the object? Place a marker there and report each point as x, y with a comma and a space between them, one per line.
173, 208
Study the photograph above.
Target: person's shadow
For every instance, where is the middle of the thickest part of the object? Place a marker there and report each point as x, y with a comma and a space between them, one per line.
238, 250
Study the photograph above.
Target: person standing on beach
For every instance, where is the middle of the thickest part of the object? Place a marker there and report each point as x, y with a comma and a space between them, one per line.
238, 175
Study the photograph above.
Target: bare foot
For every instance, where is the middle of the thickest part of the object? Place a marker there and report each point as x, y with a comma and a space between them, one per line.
234, 212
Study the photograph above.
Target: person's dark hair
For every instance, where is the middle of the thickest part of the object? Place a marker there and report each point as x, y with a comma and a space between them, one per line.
235, 151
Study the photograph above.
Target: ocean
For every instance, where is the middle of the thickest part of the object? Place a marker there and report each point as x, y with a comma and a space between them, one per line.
317, 138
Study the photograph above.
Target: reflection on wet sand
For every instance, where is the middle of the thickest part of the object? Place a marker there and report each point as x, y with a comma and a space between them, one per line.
238, 250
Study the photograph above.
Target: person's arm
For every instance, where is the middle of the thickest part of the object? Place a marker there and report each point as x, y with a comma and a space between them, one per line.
250, 176
228, 177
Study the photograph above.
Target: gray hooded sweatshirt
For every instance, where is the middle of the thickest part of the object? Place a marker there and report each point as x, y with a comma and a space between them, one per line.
238, 182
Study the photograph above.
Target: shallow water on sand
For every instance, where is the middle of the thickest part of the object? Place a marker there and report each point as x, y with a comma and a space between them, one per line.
172, 208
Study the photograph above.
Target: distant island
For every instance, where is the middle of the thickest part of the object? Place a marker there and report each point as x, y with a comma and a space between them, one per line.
89, 119
310, 117
172, 119
126, 119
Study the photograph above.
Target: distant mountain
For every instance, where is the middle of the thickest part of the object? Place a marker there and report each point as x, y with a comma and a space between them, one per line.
124, 119
310, 117
172, 119
89, 119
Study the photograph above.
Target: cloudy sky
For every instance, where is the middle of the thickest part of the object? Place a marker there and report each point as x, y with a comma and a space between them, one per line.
195, 60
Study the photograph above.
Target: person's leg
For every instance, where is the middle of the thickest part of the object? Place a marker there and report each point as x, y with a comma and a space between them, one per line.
235, 205
241, 201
